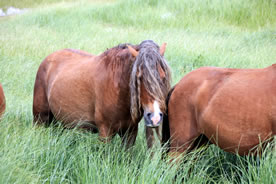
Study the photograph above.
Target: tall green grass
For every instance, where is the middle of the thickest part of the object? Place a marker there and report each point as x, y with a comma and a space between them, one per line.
54, 155
199, 33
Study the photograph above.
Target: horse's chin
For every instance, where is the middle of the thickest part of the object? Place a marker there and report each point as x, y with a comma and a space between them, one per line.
150, 125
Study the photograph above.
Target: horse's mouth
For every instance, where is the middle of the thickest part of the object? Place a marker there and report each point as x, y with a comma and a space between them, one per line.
153, 126
150, 124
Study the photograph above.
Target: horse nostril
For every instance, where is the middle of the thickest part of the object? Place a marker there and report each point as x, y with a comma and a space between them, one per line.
148, 115
161, 115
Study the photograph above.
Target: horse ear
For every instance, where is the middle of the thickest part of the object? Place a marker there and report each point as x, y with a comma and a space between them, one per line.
163, 49
132, 51
161, 72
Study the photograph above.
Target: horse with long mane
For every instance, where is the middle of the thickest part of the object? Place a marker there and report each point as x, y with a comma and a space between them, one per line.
107, 93
2, 101
232, 108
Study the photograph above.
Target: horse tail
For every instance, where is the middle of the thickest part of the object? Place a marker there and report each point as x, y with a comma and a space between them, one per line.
165, 126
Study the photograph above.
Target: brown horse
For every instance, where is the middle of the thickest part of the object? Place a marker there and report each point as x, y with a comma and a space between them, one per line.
107, 93
232, 108
2, 101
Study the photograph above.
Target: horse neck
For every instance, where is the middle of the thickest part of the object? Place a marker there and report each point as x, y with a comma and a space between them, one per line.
119, 71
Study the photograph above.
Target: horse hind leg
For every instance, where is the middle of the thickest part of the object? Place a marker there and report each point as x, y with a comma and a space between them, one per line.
41, 111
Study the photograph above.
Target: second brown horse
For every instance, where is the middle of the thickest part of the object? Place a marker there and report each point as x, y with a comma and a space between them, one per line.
232, 108
2, 101
108, 93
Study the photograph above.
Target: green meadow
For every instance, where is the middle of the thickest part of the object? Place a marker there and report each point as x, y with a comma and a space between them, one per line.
223, 33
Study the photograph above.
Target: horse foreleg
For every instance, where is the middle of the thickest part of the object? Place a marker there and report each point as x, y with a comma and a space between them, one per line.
129, 136
105, 134
149, 136
159, 132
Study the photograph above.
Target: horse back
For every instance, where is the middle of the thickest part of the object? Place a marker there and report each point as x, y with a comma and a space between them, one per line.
55, 63
237, 95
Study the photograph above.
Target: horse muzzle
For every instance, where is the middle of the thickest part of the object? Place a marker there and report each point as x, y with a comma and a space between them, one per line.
153, 120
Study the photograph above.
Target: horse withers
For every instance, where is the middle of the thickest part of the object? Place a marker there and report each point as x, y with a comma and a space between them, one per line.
2, 101
232, 108
107, 93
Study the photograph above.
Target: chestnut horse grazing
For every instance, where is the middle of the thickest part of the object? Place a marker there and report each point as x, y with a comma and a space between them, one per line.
2, 101
232, 108
106, 93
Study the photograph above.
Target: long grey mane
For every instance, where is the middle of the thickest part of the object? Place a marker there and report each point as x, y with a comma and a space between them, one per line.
145, 69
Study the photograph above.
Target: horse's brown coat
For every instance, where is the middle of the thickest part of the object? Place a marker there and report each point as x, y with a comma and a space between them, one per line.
2, 101
233, 108
88, 91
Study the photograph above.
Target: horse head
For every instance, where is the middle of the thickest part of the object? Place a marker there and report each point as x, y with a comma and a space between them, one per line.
149, 83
